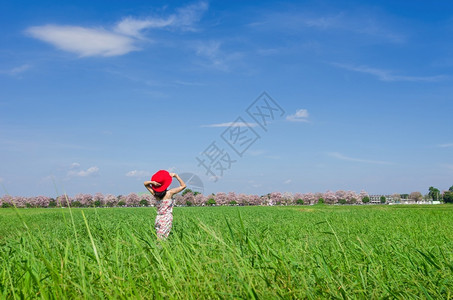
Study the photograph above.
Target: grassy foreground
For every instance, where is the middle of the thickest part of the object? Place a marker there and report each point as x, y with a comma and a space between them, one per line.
364, 252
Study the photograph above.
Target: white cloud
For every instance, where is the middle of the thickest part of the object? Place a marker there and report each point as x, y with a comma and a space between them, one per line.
232, 124
84, 41
1, 179
343, 157
386, 75
75, 165
288, 181
84, 173
132, 27
183, 19
137, 173
215, 57
301, 115
363, 23
449, 145
120, 40
16, 70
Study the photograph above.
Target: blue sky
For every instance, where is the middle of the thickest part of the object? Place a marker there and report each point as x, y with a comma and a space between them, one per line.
98, 95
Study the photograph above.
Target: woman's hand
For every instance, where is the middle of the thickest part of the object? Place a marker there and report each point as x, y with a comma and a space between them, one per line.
155, 183
173, 174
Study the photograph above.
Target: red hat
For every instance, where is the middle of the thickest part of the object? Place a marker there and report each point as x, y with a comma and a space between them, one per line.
164, 178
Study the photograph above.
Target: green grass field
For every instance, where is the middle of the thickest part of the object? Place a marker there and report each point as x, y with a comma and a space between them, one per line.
364, 252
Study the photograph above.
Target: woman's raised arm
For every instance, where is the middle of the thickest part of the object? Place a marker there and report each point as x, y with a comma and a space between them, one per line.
179, 188
148, 185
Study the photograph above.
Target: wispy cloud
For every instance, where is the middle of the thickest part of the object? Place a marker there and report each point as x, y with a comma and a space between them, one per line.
232, 124
288, 181
138, 173
387, 75
120, 40
448, 145
301, 115
216, 58
74, 171
365, 23
347, 158
74, 165
16, 70
84, 41
184, 19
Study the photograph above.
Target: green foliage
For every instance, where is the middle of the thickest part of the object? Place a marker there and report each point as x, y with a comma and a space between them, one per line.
188, 203
186, 191
366, 199
321, 201
299, 201
450, 189
121, 203
6, 205
97, 203
233, 202
196, 193
211, 201
342, 201
434, 193
76, 204
144, 202
316, 252
404, 196
52, 203
448, 197
382, 199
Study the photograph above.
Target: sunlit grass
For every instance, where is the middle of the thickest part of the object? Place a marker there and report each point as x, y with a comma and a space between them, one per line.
229, 252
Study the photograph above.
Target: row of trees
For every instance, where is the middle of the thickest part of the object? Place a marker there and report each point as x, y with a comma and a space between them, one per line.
187, 198
190, 198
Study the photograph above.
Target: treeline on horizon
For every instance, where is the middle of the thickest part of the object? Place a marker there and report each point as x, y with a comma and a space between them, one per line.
193, 198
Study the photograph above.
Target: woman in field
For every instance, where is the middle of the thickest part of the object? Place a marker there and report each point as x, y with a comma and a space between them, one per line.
158, 186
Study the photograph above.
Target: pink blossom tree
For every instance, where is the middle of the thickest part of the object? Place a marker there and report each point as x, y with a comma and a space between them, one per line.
39, 201
298, 198
178, 198
287, 198
221, 199
121, 200
147, 200
232, 198
19, 201
330, 197
200, 200
340, 195
309, 198
254, 200
242, 199
318, 196
109, 200
275, 198
362, 195
189, 198
98, 199
63, 200
132, 200
82, 200
351, 197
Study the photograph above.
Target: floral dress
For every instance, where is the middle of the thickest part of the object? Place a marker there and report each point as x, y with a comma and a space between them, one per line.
164, 218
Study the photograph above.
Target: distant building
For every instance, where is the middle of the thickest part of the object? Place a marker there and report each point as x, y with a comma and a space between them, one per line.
376, 199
